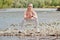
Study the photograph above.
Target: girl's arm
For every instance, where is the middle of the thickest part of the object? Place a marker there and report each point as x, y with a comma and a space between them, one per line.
34, 14
25, 15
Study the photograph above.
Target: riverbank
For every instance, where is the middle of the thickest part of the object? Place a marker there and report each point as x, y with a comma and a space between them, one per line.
44, 29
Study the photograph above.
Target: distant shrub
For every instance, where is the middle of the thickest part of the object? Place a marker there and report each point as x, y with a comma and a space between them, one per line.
24, 3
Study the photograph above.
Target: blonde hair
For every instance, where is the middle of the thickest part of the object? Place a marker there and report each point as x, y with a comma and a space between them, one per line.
30, 4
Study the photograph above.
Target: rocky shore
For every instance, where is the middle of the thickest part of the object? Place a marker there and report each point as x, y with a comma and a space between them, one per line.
44, 29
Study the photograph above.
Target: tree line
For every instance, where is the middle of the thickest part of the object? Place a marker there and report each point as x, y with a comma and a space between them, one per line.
24, 3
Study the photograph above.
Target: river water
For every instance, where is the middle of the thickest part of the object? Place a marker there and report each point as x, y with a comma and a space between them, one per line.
8, 18
29, 38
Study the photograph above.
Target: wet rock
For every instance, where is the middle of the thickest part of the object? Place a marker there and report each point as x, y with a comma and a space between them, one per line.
58, 9
19, 32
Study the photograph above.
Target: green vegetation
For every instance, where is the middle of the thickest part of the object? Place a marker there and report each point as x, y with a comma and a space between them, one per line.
5, 3
24, 3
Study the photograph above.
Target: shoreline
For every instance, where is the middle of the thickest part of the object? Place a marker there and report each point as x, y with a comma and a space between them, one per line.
23, 9
27, 33
42, 30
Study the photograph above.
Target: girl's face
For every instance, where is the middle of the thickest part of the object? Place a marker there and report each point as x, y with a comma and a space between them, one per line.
29, 7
